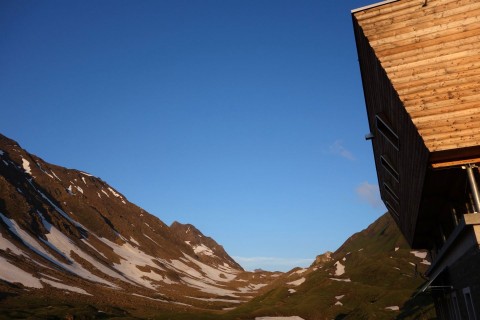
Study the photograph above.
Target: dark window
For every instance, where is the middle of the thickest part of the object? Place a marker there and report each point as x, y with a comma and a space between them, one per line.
391, 192
386, 130
391, 209
389, 167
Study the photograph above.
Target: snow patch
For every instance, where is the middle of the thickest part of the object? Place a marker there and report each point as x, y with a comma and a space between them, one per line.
344, 280
396, 248
203, 249
114, 193
301, 271
216, 299
393, 308
152, 240
418, 254
339, 297
65, 287
134, 241
296, 282
26, 166
14, 274
340, 268
338, 303
6, 244
65, 246
56, 176
44, 171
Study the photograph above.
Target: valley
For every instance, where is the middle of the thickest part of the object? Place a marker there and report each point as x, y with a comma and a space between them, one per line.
73, 246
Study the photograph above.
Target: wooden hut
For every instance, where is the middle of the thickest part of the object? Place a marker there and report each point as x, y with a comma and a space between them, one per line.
420, 67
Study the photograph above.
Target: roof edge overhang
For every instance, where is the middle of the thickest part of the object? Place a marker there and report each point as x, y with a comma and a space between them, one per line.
455, 157
373, 5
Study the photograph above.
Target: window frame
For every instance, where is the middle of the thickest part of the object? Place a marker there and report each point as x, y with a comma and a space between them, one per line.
384, 127
389, 168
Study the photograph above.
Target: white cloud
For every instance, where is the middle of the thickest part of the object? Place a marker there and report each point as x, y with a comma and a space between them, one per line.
370, 194
272, 263
337, 148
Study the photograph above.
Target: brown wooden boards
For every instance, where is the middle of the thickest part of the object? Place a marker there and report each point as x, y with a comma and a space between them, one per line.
430, 51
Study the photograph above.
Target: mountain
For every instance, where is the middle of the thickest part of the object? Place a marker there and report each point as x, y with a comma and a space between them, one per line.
74, 247
373, 275
67, 235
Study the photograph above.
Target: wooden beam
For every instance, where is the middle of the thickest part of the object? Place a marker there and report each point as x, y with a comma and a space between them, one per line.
458, 163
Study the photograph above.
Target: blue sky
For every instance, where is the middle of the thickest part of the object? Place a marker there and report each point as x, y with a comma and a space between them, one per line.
244, 118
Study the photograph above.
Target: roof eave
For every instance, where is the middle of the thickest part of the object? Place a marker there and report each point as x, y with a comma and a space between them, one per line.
373, 5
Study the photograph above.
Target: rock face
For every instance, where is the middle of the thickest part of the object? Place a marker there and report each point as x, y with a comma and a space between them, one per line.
66, 232
321, 259
205, 248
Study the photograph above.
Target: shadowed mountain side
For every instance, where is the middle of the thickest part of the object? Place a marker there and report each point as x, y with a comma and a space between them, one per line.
66, 235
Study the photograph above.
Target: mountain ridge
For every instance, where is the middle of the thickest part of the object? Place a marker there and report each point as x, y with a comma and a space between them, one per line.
72, 245
82, 232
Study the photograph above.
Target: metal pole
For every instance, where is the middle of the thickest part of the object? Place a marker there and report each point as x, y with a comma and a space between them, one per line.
473, 187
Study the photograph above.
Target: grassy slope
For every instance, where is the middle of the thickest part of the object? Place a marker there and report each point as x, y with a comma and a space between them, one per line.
380, 275
372, 264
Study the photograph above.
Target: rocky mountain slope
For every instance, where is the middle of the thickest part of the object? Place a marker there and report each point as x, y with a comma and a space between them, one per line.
65, 234
71, 246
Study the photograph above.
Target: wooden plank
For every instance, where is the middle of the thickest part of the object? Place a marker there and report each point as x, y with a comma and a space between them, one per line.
475, 110
434, 86
418, 27
449, 60
444, 106
454, 133
428, 52
463, 142
411, 44
449, 67
442, 92
427, 131
457, 163
424, 40
420, 104
433, 31
457, 122
416, 15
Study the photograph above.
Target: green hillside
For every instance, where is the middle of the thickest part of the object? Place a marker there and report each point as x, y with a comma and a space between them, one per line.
380, 275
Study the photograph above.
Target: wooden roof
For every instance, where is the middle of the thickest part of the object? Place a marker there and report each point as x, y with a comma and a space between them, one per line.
430, 50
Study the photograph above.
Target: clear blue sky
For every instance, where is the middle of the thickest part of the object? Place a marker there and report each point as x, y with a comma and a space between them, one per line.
244, 118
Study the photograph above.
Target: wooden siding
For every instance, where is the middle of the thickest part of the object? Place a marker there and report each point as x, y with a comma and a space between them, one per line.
410, 157
430, 51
